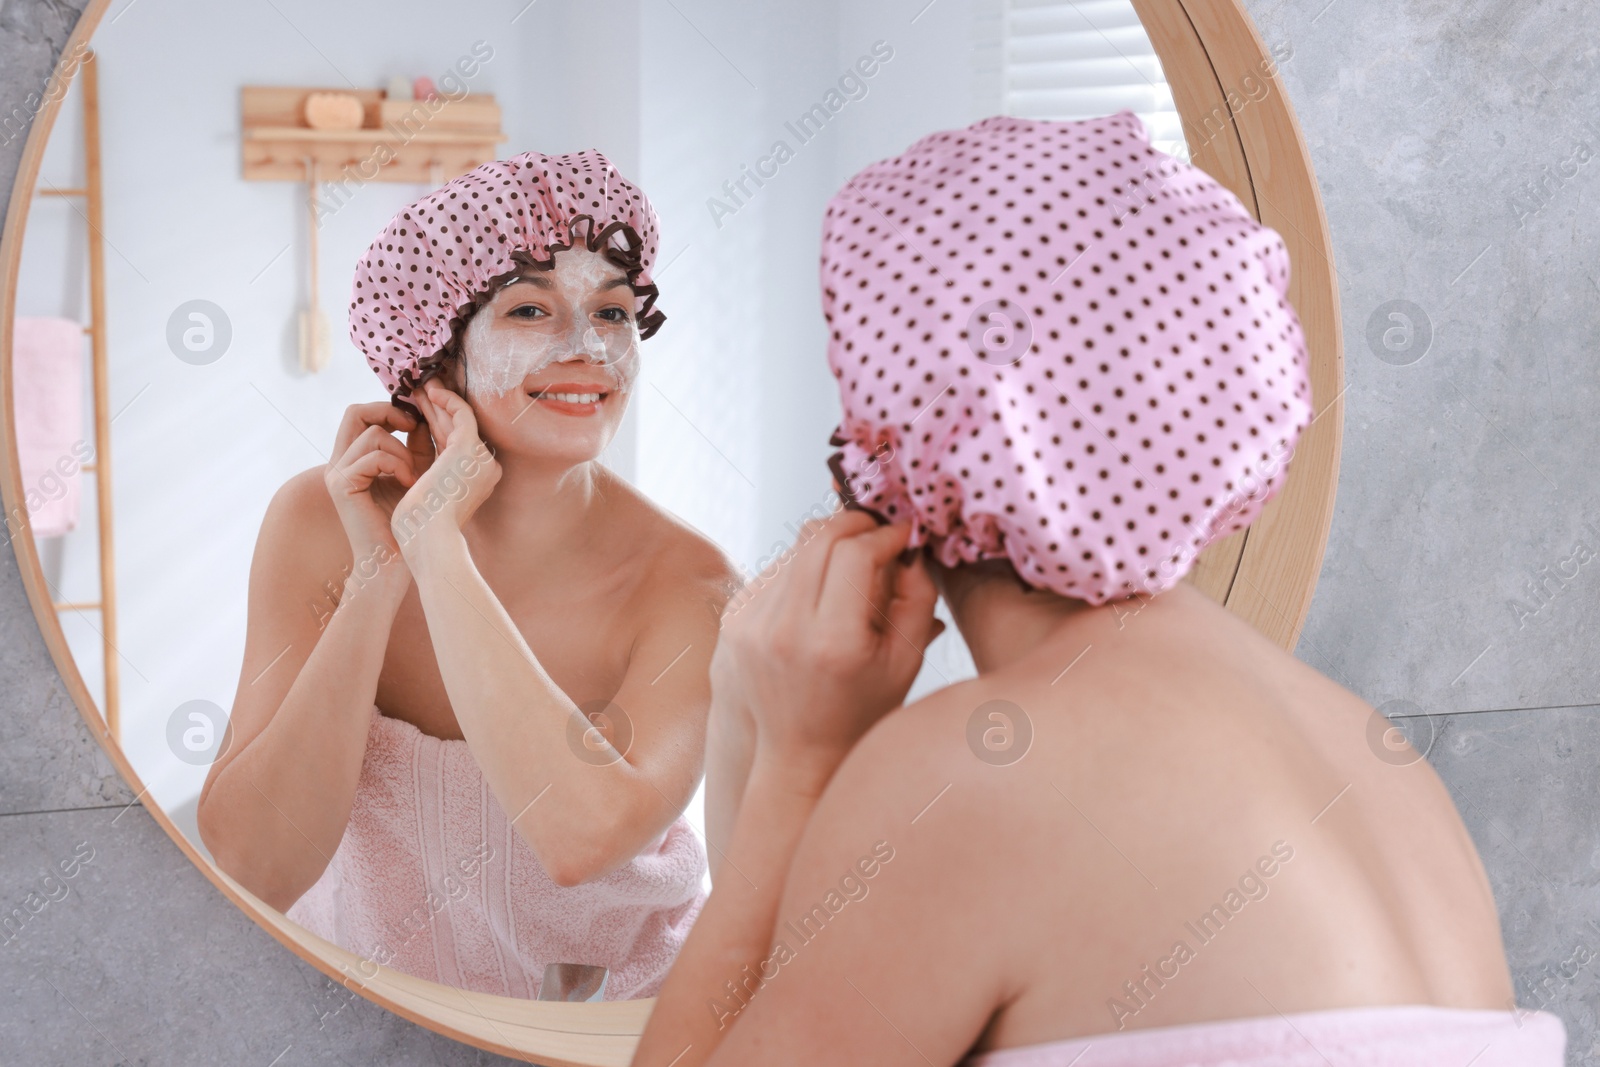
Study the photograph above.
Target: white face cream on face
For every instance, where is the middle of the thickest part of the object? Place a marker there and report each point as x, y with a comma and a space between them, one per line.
502, 351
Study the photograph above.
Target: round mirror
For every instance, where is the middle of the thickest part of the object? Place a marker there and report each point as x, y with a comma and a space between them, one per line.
178, 260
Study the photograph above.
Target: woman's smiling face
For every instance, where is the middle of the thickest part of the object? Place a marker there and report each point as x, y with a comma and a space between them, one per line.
547, 363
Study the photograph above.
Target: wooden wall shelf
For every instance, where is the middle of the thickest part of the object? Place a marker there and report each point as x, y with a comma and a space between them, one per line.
398, 141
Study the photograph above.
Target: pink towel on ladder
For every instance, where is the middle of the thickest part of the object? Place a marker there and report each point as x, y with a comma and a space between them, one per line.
1413, 1035
431, 878
47, 385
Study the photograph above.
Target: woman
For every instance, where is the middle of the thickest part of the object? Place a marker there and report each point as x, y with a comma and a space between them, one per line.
1143, 834
473, 697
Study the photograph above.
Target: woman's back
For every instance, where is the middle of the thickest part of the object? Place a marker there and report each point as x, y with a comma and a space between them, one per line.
1197, 830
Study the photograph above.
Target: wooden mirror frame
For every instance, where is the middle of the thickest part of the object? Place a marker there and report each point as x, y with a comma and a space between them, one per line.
1265, 574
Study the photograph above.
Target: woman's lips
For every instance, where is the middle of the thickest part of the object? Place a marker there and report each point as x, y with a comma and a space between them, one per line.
571, 398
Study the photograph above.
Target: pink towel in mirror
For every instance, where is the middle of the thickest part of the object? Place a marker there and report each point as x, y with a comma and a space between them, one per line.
47, 387
430, 878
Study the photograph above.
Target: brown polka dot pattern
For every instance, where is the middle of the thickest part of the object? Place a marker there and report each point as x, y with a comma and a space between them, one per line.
1059, 345
420, 280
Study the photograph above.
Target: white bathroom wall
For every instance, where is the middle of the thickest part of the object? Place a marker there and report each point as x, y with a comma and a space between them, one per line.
931, 83
699, 399
739, 392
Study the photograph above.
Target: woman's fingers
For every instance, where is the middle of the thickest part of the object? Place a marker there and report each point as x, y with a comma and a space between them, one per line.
459, 420
376, 437
419, 443
858, 583
438, 422
800, 583
358, 418
910, 613
375, 440
362, 471
422, 442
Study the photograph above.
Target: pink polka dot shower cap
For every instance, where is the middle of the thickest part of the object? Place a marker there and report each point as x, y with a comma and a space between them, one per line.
1058, 345
442, 257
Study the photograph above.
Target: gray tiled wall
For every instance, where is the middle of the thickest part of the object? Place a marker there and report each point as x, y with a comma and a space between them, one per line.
1458, 150
1443, 134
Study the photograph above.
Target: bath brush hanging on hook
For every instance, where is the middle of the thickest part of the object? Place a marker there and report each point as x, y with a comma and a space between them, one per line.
315, 339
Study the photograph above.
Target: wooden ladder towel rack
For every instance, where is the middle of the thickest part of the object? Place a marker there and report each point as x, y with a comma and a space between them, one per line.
100, 466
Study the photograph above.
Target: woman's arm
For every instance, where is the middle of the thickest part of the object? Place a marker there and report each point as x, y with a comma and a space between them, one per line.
583, 806
887, 944
731, 729
278, 797
730, 753
819, 655
731, 938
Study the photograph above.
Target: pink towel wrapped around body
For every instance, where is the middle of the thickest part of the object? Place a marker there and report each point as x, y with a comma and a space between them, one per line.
47, 379
1397, 1036
432, 879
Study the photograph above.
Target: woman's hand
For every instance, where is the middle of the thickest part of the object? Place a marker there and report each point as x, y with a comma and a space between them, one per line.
460, 478
370, 471
830, 644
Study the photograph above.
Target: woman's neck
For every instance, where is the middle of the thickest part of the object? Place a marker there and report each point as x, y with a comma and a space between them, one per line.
540, 509
1001, 619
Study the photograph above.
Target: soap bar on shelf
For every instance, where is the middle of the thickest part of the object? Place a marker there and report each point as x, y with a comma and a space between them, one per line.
333, 111
399, 88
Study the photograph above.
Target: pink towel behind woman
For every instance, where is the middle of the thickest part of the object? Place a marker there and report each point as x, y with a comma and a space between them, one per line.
1403, 1036
47, 383
432, 879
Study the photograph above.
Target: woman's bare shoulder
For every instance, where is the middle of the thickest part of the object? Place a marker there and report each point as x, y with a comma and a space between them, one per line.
301, 525
302, 495
682, 561
955, 736
691, 572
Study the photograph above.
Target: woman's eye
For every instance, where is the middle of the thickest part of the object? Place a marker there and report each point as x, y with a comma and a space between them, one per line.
613, 314
527, 311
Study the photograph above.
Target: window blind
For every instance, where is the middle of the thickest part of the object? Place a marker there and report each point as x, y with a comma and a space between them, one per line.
1078, 59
